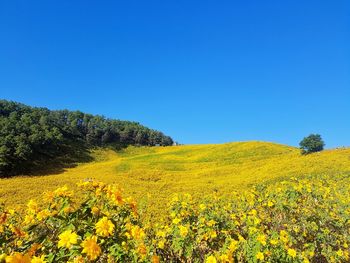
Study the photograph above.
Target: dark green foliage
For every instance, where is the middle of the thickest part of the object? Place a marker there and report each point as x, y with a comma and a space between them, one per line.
31, 137
311, 143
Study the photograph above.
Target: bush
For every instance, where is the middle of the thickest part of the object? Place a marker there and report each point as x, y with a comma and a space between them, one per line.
311, 143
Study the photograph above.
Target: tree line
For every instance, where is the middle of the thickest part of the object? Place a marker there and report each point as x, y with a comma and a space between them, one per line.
32, 136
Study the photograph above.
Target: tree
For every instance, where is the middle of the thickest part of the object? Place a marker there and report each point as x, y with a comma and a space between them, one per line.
311, 143
31, 137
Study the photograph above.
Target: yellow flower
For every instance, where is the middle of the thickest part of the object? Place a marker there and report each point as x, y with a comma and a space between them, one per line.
29, 219
292, 252
91, 248
155, 259
202, 207
95, 211
137, 232
104, 227
240, 238
160, 233
233, 245
67, 239
210, 259
175, 198
213, 234
38, 260
253, 212
176, 221
17, 231
284, 236
211, 222
32, 205
260, 256
19, 243
18, 258
340, 253
270, 203
142, 250
273, 242
224, 259
79, 259
161, 244
48, 196
68, 209
63, 192
116, 196
261, 239
43, 214
183, 231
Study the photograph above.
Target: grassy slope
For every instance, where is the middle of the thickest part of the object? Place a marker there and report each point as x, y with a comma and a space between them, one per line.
154, 174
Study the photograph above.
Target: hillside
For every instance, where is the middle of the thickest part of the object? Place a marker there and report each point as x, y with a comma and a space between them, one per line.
154, 174
36, 140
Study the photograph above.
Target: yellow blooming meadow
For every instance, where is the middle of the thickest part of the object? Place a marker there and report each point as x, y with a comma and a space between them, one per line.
295, 220
152, 174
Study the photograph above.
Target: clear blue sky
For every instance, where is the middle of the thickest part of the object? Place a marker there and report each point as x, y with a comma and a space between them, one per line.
200, 71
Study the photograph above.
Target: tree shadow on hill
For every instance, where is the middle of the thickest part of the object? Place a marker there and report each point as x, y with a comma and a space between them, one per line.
70, 155
51, 160
67, 156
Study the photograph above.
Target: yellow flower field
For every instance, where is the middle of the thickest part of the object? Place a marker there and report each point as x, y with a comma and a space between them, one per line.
237, 202
294, 220
153, 174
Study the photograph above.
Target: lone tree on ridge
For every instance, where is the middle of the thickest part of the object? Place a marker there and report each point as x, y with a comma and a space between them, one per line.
311, 143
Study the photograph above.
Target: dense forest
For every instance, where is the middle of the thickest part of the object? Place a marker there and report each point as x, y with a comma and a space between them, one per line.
32, 137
